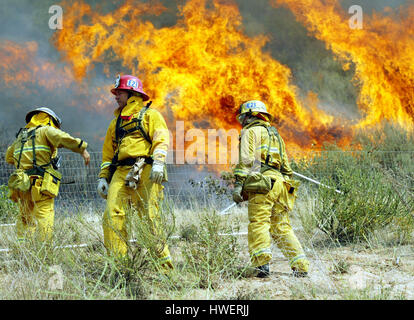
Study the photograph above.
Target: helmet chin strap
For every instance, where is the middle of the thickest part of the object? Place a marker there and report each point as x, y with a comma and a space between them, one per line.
248, 118
131, 94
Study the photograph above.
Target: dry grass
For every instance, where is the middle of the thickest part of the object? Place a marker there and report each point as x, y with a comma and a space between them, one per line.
380, 269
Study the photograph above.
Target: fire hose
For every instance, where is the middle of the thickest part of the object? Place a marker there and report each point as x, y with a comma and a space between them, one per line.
224, 211
68, 182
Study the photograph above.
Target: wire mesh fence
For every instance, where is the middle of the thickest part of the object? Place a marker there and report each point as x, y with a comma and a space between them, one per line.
79, 182
193, 183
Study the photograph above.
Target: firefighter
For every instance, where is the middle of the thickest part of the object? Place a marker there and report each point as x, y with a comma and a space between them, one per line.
133, 167
263, 177
35, 182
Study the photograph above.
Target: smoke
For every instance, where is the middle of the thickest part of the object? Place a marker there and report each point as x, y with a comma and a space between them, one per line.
31, 75
32, 72
314, 67
378, 5
86, 108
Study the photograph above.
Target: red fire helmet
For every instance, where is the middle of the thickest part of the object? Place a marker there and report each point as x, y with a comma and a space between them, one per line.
132, 83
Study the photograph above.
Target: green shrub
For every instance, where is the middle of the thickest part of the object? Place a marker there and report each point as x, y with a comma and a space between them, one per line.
376, 175
371, 199
213, 187
368, 203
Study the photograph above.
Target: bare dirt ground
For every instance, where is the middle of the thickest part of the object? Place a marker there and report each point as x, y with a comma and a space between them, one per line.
340, 274
337, 272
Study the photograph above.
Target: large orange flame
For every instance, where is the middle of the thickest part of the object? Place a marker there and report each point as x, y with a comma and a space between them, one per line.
198, 70
382, 53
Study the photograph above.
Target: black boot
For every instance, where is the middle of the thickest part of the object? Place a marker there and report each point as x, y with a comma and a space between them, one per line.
299, 274
264, 271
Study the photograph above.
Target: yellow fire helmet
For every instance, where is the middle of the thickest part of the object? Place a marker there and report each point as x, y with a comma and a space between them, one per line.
55, 118
253, 107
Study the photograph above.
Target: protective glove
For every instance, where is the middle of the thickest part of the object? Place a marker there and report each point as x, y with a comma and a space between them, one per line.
103, 187
157, 172
237, 196
86, 157
134, 175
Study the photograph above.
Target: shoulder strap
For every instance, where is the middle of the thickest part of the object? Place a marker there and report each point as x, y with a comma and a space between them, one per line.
120, 133
33, 147
25, 136
139, 122
23, 140
272, 131
20, 130
117, 127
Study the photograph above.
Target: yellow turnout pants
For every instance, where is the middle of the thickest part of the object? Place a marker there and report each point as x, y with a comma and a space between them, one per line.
145, 199
269, 217
36, 213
